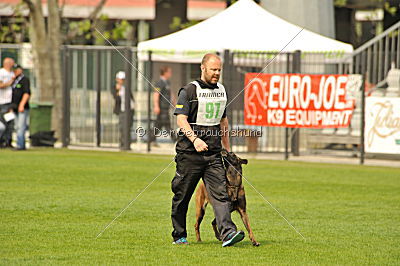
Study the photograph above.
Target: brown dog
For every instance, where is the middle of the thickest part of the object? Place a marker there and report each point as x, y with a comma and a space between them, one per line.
233, 166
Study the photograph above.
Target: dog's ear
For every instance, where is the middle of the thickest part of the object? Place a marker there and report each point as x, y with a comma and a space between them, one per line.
243, 161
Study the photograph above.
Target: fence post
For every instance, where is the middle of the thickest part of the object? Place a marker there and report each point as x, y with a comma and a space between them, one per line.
296, 68
98, 99
227, 80
362, 146
149, 92
287, 129
126, 129
66, 115
286, 143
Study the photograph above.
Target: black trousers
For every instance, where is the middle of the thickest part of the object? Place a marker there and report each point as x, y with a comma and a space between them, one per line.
122, 117
189, 169
6, 137
162, 122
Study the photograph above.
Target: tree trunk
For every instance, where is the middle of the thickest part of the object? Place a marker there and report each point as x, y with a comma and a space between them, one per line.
46, 56
54, 41
46, 48
40, 48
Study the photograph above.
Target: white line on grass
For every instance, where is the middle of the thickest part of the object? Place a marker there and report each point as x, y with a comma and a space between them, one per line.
265, 67
133, 200
266, 200
134, 67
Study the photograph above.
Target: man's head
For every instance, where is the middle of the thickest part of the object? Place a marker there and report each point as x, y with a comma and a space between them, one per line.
210, 68
8, 63
120, 77
166, 72
17, 69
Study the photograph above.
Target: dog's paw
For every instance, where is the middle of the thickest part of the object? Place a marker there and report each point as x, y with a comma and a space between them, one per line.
256, 244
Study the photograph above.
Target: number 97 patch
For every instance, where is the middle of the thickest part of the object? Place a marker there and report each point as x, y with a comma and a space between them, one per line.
211, 105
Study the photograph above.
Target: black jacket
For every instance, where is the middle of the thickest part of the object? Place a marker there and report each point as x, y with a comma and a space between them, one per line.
188, 105
117, 100
20, 86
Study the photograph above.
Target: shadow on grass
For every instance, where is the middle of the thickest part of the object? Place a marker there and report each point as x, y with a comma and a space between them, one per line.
244, 244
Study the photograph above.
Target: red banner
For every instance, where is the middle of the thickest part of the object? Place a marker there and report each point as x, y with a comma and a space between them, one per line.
297, 100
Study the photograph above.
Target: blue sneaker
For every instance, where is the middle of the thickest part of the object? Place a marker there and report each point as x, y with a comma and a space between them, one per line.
181, 241
233, 238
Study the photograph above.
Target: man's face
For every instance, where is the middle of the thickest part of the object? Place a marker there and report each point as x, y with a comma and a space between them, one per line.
168, 73
211, 70
8, 63
17, 71
120, 81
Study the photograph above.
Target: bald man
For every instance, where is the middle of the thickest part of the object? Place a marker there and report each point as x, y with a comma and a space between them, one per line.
201, 117
6, 80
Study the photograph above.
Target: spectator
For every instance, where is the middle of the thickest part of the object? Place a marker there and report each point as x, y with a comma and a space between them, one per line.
163, 99
21, 93
119, 107
6, 80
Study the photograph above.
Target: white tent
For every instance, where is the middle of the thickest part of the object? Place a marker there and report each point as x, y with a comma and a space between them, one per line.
244, 26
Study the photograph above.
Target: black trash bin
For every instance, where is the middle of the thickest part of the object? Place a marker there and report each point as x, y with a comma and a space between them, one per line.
40, 125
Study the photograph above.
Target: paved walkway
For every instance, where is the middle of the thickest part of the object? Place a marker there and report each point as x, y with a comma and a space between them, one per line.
338, 158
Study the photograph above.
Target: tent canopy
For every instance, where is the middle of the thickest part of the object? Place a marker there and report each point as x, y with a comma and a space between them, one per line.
244, 26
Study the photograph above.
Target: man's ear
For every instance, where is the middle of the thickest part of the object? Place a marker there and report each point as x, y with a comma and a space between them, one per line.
243, 161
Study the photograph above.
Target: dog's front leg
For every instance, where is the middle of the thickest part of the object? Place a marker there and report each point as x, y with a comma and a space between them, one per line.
245, 219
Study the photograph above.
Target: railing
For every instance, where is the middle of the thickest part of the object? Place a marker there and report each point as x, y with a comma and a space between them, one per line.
375, 57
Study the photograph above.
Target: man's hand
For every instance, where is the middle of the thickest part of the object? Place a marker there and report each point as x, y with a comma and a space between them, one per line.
200, 145
185, 127
7, 84
21, 108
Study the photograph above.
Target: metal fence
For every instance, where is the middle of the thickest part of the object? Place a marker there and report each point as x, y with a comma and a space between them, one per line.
89, 74
375, 57
275, 139
89, 77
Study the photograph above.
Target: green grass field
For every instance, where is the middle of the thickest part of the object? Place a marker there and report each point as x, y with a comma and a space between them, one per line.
54, 203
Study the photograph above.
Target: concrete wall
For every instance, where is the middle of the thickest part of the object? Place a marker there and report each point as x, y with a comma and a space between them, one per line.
314, 15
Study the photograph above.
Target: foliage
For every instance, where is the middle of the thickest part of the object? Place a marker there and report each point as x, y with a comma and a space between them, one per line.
177, 24
384, 4
16, 31
86, 29
340, 3
390, 9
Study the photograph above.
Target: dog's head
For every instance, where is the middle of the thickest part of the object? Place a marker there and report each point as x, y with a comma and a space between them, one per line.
233, 165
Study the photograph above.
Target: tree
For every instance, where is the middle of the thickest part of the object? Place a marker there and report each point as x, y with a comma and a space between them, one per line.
14, 30
46, 39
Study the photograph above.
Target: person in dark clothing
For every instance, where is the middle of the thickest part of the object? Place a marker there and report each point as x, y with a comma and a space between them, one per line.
118, 92
21, 92
162, 100
203, 125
